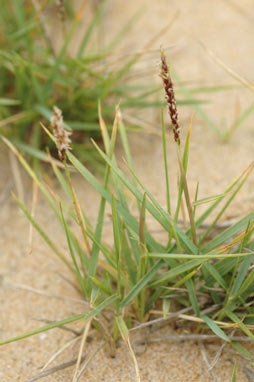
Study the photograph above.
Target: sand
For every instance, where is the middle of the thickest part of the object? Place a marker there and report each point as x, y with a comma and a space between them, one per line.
226, 28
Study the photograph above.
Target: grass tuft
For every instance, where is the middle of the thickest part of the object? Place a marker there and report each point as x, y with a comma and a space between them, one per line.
195, 268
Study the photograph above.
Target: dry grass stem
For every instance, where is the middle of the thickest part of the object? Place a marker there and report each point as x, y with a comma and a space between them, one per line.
79, 214
17, 176
62, 366
230, 71
34, 203
196, 337
82, 345
12, 119
86, 363
60, 351
158, 320
43, 293
207, 362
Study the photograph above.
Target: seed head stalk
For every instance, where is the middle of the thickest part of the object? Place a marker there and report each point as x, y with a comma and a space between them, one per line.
172, 109
63, 143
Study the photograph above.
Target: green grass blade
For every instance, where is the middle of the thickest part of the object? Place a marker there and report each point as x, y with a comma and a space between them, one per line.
192, 296
141, 284
76, 266
161, 217
101, 286
44, 235
209, 210
53, 325
228, 233
95, 20
227, 204
201, 256
127, 217
177, 271
215, 328
241, 276
164, 145
234, 374
240, 324
78, 317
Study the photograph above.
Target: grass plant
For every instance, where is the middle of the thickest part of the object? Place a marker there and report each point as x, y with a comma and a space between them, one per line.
35, 74
204, 271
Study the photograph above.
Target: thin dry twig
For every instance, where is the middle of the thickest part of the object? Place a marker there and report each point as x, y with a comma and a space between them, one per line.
33, 209
60, 351
219, 352
158, 320
196, 337
230, 71
17, 176
12, 119
82, 369
43, 293
207, 362
6, 192
249, 373
62, 366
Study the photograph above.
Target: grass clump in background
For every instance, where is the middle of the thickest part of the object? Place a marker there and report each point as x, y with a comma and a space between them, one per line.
36, 75
198, 274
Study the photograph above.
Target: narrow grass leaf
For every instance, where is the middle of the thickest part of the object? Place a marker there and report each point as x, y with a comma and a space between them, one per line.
228, 233
177, 271
141, 284
125, 335
44, 235
192, 296
234, 374
78, 317
233, 317
215, 328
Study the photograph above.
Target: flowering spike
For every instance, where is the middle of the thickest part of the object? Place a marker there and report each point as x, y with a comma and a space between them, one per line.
170, 97
61, 135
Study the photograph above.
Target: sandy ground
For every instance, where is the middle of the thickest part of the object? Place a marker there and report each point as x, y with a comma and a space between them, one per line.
226, 27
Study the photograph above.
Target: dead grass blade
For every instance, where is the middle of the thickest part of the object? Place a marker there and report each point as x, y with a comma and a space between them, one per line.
196, 337
82, 345
82, 369
62, 366
227, 69
43, 293
60, 351
207, 362
125, 336
158, 320
33, 209
17, 176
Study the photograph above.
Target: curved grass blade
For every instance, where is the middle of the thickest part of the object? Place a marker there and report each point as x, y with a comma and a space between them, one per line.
44, 235
215, 328
78, 317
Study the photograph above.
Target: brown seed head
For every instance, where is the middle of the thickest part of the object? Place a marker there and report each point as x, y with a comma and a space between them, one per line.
61, 135
170, 97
